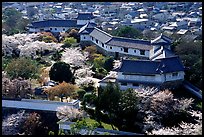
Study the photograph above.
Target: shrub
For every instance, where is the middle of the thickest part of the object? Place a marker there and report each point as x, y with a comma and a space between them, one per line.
22, 67
91, 51
81, 93
62, 90
68, 42
89, 99
108, 64
47, 37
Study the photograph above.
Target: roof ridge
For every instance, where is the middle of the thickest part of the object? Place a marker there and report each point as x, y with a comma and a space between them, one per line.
131, 38
142, 60
103, 32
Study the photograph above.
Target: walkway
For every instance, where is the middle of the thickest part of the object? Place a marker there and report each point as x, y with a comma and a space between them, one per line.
38, 104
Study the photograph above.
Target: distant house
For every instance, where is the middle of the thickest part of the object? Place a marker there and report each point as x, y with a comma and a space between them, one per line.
169, 28
138, 23
161, 17
194, 22
131, 15
158, 73
183, 32
180, 25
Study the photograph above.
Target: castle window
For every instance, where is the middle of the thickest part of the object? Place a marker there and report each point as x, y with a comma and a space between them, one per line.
50, 28
110, 47
142, 52
92, 38
63, 29
135, 51
175, 74
55, 28
126, 50
102, 45
123, 84
121, 49
135, 84
96, 41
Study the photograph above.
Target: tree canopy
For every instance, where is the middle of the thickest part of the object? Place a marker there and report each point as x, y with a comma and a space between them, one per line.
60, 71
127, 31
13, 22
62, 90
69, 41
22, 67
190, 53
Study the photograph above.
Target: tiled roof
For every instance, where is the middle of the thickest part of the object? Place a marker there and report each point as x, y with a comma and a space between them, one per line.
100, 35
165, 65
167, 53
130, 43
88, 28
162, 40
54, 23
171, 64
85, 16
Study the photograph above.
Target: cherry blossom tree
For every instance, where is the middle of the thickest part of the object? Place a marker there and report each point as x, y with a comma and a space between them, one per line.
67, 113
162, 110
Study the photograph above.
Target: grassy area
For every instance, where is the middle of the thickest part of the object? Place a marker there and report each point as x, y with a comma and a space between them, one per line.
106, 126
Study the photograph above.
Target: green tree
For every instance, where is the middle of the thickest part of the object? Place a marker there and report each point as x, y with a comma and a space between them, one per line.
108, 64
60, 72
31, 11
22, 24
5, 62
127, 31
81, 93
127, 114
47, 37
12, 21
74, 33
108, 99
89, 99
190, 53
79, 125
91, 51
22, 67
69, 41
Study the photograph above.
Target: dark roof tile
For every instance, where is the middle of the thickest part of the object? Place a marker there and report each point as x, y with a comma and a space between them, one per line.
165, 65
54, 23
85, 16
130, 43
161, 40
